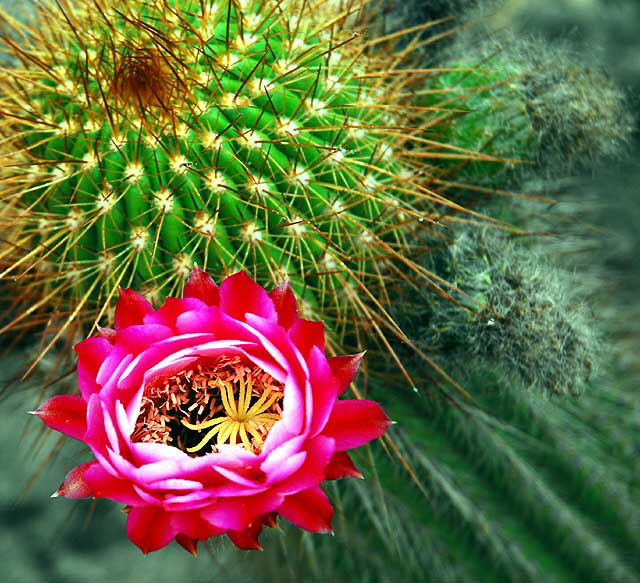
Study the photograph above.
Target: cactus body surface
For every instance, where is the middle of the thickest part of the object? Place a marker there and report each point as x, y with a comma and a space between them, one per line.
142, 138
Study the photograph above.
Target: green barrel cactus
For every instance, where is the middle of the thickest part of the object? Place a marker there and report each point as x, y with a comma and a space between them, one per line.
141, 138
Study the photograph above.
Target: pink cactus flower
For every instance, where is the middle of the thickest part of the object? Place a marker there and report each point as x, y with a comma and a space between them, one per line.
213, 415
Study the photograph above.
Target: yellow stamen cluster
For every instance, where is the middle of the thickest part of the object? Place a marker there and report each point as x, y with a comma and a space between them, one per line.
241, 420
237, 401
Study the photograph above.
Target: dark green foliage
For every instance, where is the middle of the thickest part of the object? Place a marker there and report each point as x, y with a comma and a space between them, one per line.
399, 14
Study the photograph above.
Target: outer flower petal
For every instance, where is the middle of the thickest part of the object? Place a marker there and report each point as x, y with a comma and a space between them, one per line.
196, 321
91, 354
239, 512
285, 304
113, 364
240, 295
191, 524
105, 485
340, 466
200, 285
306, 334
309, 509
247, 539
171, 310
354, 423
75, 485
281, 454
96, 433
345, 368
192, 501
66, 414
91, 481
150, 528
311, 472
131, 309
138, 335
188, 544
324, 388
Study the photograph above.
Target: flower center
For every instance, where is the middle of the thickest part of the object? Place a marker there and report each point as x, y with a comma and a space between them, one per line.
234, 400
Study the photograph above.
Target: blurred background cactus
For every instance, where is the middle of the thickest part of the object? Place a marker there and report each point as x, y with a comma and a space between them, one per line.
522, 480
531, 102
533, 328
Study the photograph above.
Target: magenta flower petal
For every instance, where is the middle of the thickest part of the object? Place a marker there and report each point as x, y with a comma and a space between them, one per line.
201, 286
91, 354
279, 455
187, 543
131, 309
239, 512
288, 466
105, 485
246, 483
146, 453
95, 423
161, 470
172, 309
247, 539
319, 452
354, 423
277, 436
341, 466
90, 480
195, 321
306, 334
324, 390
240, 295
345, 368
75, 485
150, 528
175, 484
285, 304
191, 524
66, 414
309, 509
193, 501
116, 362
148, 499
212, 415
143, 335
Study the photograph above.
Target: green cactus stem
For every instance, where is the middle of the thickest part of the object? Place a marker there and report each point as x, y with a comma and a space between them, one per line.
141, 138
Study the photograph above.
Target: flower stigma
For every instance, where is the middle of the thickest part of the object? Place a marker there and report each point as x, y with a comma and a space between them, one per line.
235, 400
